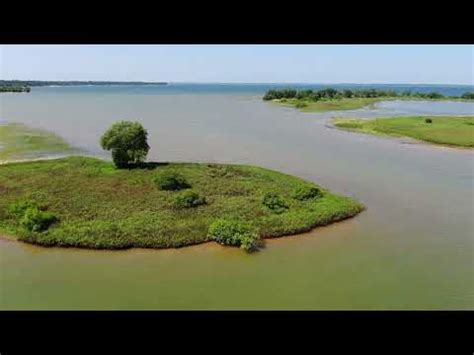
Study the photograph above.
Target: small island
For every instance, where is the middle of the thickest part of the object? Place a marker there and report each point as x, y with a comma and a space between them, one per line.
444, 130
330, 99
90, 203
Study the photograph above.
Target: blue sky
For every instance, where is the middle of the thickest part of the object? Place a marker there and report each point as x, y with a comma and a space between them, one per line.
418, 64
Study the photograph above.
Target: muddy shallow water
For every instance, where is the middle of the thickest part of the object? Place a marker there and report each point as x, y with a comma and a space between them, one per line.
413, 248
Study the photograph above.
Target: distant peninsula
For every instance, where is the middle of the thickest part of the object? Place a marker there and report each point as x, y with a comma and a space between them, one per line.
25, 85
31, 83
330, 99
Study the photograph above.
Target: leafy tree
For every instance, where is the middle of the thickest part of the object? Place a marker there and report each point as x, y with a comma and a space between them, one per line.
434, 95
347, 93
127, 141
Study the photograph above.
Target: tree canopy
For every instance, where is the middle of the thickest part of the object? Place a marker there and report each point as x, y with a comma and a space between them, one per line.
330, 94
128, 142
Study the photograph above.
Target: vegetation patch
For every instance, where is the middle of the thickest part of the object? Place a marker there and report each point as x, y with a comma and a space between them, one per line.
305, 192
29, 214
235, 233
90, 203
20, 142
188, 199
446, 130
14, 88
330, 99
170, 181
275, 202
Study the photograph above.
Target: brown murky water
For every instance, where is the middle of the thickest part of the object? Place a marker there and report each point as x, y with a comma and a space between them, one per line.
412, 249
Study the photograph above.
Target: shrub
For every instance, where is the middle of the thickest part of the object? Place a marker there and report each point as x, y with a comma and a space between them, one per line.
300, 104
188, 199
274, 202
18, 208
306, 193
228, 232
127, 141
434, 95
428, 120
468, 96
170, 181
35, 220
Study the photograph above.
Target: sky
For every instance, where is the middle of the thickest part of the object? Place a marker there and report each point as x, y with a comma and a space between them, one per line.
365, 64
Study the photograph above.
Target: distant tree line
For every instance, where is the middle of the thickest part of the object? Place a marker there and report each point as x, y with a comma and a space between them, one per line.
468, 96
17, 83
330, 94
14, 88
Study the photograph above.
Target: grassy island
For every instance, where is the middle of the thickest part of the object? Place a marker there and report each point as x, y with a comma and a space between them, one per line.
95, 205
330, 99
90, 203
446, 130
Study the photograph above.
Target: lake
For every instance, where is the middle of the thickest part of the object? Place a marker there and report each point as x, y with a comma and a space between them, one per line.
413, 248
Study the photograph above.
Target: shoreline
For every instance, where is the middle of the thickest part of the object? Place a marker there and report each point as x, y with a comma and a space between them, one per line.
209, 243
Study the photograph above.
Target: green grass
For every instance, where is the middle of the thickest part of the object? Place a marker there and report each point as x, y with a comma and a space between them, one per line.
99, 206
446, 130
348, 103
18, 142
328, 105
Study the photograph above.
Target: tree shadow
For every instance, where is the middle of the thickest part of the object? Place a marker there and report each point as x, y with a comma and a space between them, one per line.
145, 165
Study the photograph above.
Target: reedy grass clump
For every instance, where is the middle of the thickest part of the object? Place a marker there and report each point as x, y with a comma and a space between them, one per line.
305, 192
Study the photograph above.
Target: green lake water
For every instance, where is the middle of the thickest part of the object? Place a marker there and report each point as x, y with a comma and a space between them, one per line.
413, 248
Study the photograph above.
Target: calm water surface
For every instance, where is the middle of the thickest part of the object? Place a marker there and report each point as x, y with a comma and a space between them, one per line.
412, 249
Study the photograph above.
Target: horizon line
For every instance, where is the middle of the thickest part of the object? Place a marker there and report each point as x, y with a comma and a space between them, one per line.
245, 83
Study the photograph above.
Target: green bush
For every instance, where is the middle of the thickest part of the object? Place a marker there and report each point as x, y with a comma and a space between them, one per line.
18, 208
274, 202
306, 193
170, 181
35, 220
428, 120
127, 141
301, 104
188, 199
235, 233
468, 95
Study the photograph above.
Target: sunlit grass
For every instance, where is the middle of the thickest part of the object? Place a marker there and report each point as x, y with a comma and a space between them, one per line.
455, 131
